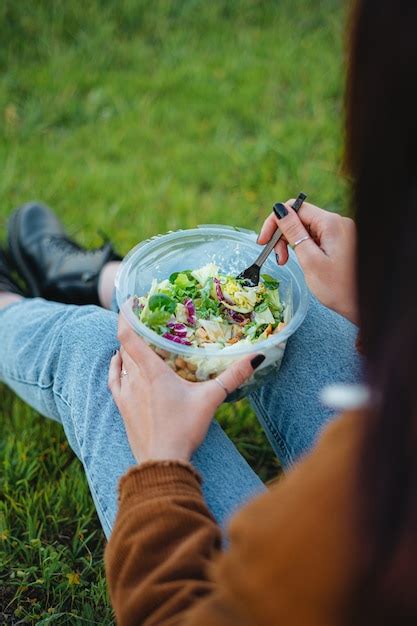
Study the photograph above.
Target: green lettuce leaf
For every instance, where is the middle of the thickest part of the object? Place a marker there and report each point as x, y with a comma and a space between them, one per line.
270, 282
162, 302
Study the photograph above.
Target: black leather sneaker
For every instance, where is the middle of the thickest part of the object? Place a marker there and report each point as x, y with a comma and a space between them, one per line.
53, 265
7, 283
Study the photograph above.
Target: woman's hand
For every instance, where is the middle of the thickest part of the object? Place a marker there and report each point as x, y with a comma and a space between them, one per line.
166, 417
327, 256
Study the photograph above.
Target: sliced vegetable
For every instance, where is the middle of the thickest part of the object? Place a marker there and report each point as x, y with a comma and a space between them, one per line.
162, 302
155, 319
222, 295
203, 274
175, 339
269, 281
218, 289
136, 305
180, 330
190, 311
203, 307
183, 282
264, 317
235, 316
206, 307
274, 304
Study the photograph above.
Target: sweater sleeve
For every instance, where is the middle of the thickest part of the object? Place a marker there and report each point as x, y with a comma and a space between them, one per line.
292, 557
163, 541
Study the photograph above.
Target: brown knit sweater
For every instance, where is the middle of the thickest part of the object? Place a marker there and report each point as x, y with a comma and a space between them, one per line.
293, 555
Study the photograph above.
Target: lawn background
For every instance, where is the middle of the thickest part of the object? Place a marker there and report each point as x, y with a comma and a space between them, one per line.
136, 117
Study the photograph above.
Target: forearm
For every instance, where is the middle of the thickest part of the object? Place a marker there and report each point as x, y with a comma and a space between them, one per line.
162, 544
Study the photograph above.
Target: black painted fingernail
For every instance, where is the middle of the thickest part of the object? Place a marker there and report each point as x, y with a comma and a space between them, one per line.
114, 353
257, 360
280, 210
277, 258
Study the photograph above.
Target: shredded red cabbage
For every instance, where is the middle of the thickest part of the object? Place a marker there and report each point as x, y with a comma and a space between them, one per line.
137, 306
178, 329
219, 291
175, 339
190, 308
220, 294
236, 317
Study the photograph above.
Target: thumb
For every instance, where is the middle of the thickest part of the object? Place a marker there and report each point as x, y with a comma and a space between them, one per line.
294, 231
234, 376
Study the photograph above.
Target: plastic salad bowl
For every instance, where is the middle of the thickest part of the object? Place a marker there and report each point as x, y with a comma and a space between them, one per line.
232, 249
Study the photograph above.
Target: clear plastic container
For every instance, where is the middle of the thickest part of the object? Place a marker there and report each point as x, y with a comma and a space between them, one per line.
232, 249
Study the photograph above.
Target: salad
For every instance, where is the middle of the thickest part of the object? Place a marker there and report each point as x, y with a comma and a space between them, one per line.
205, 308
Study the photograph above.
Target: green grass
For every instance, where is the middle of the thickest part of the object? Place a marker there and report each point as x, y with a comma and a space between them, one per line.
134, 118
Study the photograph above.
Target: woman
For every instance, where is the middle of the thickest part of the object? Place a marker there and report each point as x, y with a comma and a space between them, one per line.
335, 542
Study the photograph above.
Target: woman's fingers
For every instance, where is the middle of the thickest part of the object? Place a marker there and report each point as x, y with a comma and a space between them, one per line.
281, 251
266, 234
232, 378
129, 366
269, 227
294, 231
291, 225
271, 223
311, 216
114, 374
138, 349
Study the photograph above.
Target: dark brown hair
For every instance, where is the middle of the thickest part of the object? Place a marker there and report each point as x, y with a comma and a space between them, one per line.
381, 157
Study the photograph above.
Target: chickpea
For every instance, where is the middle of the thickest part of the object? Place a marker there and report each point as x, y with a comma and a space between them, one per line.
180, 363
182, 373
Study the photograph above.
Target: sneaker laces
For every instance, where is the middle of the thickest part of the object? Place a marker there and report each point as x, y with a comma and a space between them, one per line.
65, 244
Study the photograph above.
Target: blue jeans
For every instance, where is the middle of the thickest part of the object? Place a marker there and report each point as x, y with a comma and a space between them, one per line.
56, 358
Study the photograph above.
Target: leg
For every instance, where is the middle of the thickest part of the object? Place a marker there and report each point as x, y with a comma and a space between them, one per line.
321, 352
56, 357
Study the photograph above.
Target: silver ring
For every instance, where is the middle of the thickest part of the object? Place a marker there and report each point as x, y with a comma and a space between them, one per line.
297, 243
124, 373
222, 385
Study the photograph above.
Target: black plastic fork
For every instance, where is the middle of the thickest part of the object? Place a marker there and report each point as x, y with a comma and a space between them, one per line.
251, 274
